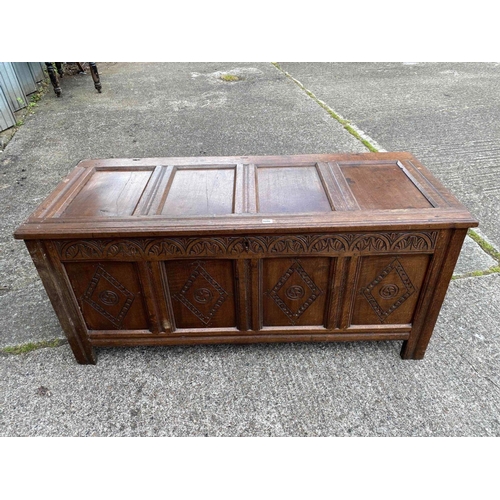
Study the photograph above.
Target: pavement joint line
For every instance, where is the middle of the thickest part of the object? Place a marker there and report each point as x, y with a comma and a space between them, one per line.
359, 134
485, 246
372, 145
488, 249
31, 346
469, 362
477, 274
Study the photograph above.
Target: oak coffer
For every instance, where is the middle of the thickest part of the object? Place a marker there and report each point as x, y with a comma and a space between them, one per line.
169, 251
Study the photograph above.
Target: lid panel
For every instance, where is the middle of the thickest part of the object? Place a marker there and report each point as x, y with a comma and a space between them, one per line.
381, 187
109, 193
234, 195
203, 191
291, 190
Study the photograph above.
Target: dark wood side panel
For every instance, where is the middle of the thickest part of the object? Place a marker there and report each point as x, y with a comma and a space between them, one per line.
202, 293
110, 295
295, 291
388, 289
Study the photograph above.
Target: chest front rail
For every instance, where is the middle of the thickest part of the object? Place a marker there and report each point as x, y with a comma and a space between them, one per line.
171, 290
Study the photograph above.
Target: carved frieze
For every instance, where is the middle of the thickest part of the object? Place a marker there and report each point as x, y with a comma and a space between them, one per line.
297, 244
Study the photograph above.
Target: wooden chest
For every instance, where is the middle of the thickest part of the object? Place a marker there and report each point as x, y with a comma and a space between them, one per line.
170, 251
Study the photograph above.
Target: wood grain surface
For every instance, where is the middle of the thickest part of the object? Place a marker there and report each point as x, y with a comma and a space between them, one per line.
168, 251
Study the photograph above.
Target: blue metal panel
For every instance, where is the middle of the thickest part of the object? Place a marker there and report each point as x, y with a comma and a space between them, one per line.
25, 77
36, 69
11, 87
7, 118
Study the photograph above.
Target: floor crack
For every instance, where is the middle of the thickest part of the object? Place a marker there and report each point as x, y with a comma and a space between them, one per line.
474, 368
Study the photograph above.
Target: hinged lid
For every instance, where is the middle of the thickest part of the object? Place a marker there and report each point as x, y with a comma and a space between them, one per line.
250, 194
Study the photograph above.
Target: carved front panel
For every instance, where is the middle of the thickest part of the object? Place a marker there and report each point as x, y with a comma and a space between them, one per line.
109, 295
202, 293
247, 246
295, 291
388, 288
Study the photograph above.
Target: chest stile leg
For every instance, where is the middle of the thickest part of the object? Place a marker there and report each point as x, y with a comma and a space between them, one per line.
441, 271
61, 295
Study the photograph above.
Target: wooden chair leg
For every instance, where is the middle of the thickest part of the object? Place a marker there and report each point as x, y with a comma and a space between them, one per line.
95, 76
59, 69
53, 78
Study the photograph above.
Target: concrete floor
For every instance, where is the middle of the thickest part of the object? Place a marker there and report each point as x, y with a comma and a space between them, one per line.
446, 114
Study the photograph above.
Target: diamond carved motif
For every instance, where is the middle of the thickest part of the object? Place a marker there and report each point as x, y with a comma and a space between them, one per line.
294, 292
108, 297
203, 289
388, 290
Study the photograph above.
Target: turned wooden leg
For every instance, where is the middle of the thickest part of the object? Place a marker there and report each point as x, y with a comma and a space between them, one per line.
95, 76
59, 69
53, 78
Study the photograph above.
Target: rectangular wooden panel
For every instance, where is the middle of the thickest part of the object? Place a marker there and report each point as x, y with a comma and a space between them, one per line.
291, 190
388, 289
207, 191
109, 193
384, 186
202, 292
295, 291
109, 295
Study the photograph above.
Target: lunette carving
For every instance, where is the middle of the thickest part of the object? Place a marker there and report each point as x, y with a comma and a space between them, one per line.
322, 244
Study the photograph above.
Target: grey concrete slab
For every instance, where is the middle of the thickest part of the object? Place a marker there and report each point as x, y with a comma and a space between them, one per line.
470, 326
447, 114
16, 267
27, 316
473, 258
352, 389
